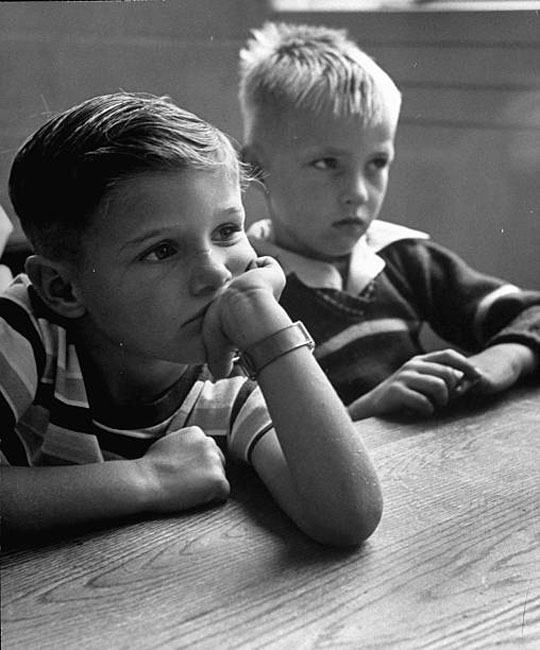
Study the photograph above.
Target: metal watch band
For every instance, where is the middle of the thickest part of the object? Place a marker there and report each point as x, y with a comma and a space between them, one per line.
262, 353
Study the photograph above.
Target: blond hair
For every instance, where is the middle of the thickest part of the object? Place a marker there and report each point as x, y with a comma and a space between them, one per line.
311, 68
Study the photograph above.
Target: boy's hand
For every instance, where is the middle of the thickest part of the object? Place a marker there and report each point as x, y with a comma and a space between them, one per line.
422, 385
245, 312
182, 470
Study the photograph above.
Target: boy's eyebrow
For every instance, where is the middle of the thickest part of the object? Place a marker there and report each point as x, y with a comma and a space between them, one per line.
325, 150
149, 234
168, 230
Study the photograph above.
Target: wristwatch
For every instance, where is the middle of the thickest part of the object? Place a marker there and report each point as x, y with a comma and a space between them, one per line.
254, 358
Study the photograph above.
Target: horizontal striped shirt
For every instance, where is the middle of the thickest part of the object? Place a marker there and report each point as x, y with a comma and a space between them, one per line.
47, 418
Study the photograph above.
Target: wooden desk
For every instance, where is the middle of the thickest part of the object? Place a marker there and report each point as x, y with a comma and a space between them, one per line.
455, 562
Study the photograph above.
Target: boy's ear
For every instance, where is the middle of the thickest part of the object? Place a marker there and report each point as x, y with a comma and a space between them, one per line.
53, 282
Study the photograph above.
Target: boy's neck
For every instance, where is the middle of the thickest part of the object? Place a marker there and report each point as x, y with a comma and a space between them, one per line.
116, 379
288, 243
342, 263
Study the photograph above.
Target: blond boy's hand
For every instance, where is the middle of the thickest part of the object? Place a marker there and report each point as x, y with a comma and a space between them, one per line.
244, 313
182, 470
423, 384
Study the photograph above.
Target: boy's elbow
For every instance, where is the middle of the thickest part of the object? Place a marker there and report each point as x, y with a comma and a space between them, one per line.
351, 526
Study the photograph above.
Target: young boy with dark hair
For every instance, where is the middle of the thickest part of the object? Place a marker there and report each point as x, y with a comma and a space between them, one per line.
142, 275
320, 118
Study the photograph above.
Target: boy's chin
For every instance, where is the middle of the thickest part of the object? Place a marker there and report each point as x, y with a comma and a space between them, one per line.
331, 256
331, 251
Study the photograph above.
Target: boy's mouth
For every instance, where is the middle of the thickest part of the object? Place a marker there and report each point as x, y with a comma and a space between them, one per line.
352, 225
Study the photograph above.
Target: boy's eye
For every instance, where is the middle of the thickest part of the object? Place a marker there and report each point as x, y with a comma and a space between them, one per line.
325, 163
160, 252
380, 162
227, 232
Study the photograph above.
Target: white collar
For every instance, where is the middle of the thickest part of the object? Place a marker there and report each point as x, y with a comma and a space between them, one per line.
5, 229
364, 266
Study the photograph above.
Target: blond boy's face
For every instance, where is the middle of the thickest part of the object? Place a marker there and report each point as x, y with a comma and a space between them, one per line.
326, 179
160, 249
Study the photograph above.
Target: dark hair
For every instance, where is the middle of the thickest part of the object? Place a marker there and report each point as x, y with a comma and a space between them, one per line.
63, 171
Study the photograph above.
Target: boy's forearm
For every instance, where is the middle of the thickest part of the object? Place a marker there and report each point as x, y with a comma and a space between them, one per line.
42, 498
525, 359
503, 364
319, 472
330, 468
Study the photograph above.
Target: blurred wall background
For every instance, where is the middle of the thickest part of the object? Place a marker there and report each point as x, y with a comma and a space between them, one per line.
468, 149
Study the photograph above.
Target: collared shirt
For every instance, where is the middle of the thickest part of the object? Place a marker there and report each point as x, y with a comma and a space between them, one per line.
365, 264
367, 326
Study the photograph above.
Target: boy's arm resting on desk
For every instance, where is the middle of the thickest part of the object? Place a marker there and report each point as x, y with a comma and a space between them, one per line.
421, 385
315, 464
468, 309
180, 471
512, 352
430, 381
465, 307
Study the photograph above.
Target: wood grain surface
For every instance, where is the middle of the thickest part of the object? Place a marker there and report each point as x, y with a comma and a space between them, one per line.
455, 562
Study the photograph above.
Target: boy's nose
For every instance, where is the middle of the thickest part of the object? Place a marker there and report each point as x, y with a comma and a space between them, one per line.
355, 189
208, 274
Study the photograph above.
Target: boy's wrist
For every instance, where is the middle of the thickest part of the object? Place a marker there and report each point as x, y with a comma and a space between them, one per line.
264, 352
144, 484
254, 319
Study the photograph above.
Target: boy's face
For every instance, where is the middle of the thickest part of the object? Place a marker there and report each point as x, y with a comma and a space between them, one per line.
159, 250
326, 178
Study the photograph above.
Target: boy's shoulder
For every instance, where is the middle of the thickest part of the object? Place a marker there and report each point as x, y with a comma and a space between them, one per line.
25, 328
22, 293
18, 292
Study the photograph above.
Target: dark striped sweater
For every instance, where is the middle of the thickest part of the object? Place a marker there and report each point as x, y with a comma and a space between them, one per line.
363, 337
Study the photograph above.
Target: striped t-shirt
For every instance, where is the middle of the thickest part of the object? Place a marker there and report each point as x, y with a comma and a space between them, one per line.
46, 416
